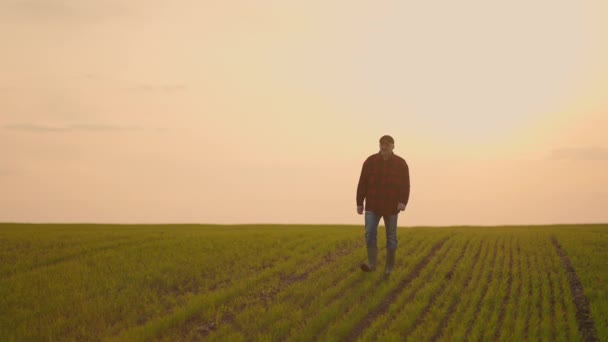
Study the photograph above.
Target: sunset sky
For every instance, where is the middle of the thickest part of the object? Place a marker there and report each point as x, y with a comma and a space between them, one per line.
264, 111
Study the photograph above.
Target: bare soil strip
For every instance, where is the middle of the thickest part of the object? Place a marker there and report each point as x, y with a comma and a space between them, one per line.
267, 296
384, 305
285, 280
586, 325
539, 304
339, 296
414, 291
356, 282
564, 318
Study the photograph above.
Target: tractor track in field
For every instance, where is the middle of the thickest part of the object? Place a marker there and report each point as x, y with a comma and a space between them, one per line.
287, 280
225, 317
376, 283
541, 295
586, 325
267, 296
262, 267
69, 257
355, 283
452, 308
415, 290
562, 296
447, 278
552, 299
390, 298
507, 298
489, 279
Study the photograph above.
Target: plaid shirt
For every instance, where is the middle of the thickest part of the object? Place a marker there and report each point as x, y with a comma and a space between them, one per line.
383, 184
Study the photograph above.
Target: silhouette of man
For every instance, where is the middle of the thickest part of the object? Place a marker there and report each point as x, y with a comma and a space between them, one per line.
385, 185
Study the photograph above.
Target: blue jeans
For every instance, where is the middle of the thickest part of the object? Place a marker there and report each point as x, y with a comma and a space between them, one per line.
371, 229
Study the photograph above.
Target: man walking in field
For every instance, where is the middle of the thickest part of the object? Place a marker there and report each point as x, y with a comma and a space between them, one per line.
385, 185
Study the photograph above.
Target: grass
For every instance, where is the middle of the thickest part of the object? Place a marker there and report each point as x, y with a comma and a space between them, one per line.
298, 283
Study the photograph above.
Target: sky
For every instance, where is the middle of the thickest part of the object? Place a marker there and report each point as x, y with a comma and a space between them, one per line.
235, 112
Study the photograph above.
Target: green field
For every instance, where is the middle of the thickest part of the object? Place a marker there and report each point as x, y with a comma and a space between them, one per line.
300, 283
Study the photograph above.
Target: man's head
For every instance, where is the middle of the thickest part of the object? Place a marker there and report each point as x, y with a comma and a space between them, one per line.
387, 144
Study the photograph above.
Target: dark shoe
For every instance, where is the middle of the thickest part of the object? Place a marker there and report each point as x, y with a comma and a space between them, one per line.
366, 268
390, 262
372, 255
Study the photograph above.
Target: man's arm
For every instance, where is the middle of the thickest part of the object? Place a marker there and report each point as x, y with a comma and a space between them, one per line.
362, 186
404, 191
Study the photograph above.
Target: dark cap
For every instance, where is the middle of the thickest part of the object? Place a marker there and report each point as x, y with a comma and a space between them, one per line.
387, 138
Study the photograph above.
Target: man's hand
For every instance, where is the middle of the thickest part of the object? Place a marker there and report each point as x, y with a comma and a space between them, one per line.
401, 206
359, 209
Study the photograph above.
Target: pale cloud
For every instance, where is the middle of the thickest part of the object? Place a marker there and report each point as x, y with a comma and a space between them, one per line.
6, 171
65, 11
160, 87
87, 76
580, 153
40, 128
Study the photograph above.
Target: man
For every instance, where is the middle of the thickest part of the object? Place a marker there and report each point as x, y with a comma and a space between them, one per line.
385, 185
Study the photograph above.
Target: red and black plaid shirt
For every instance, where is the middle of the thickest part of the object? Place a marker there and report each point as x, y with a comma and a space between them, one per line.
383, 184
